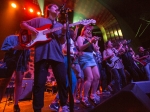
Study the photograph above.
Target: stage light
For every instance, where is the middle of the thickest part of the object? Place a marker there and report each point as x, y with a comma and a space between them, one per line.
24, 8
13, 5
38, 13
31, 10
41, 5
120, 33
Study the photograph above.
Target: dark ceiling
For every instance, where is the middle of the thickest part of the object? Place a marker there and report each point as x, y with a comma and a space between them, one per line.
137, 15
133, 16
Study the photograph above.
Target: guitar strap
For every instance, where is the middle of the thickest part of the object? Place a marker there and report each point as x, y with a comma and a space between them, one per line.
113, 50
111, 63
53, 23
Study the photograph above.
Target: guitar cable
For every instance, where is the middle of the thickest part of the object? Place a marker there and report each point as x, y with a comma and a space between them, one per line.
12, 86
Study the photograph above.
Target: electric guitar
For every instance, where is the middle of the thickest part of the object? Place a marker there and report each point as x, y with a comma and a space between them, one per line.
44, 30
112, 61
145, 61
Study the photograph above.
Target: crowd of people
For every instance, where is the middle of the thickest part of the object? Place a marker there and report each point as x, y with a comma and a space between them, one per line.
89, 66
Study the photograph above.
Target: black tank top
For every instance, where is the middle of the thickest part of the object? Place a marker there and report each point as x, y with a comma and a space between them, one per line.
89, 48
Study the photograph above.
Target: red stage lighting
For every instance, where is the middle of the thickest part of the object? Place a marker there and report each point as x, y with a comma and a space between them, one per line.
31, 10
13, 5
38, 13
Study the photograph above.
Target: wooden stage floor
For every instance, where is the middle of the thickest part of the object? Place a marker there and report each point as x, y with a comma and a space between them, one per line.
26, 106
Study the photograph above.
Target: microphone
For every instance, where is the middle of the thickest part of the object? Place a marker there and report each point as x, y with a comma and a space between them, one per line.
69, 10
62, 7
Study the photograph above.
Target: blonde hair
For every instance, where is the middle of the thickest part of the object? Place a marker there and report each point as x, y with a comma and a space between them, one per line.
85, 27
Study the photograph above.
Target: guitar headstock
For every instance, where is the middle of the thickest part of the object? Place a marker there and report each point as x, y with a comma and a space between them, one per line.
86, 22
97, 37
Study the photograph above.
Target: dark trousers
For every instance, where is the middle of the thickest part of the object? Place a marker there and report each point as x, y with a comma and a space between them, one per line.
119, 79
40, 78
103, 76
135, 73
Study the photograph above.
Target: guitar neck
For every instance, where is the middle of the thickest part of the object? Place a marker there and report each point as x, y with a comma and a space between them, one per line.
59, 28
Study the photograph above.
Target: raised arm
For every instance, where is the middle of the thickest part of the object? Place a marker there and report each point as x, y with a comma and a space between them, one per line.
82, 46
76, 32
137, 60
106, 56
25, 25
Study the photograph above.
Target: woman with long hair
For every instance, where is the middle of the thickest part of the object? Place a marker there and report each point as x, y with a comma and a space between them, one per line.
87, 62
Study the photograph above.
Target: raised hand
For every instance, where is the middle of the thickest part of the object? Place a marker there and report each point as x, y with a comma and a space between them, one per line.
94, 39
34, 31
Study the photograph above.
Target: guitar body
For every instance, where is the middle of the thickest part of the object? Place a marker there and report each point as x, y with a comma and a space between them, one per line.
143, 62
41, 37
112, 61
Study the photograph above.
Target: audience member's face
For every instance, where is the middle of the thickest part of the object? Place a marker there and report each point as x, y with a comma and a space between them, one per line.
109, 44
141, 49
88, 32
125, 42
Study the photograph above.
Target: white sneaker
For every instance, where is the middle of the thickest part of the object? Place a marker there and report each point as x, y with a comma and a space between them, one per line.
95, 99
98, 92
95, 96
76, 101
109, 88
64, 109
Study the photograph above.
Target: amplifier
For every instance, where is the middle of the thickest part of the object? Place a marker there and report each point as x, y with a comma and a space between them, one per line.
27, 86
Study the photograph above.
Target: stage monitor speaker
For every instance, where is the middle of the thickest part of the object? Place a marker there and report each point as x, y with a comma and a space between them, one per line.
132, 98
144, 86
27, 85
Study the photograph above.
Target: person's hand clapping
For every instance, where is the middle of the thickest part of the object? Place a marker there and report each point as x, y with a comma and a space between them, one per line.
113, 54
94, 39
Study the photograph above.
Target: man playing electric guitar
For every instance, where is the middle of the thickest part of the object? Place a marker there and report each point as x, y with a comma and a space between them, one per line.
44, 32
49, 53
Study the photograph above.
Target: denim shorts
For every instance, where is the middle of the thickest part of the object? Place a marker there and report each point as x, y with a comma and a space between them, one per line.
86, 60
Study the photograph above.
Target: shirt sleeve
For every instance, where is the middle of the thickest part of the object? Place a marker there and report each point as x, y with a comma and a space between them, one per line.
7, 44
35, 22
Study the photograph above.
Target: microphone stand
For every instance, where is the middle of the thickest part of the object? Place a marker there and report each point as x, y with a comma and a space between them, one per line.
71, 100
